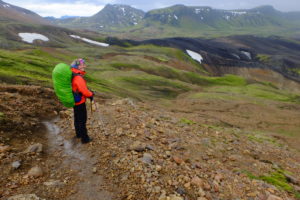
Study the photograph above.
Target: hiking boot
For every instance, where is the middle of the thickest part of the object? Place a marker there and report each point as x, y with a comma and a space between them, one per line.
85, 141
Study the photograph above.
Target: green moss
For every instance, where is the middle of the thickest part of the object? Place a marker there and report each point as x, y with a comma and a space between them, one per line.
256, 138
250, 175
154, 86
277, 179
186, 121
263, 58
2, 115
214, 127
248, 92
296, 71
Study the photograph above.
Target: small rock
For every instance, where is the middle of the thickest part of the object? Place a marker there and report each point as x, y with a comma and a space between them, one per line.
95, 170
197, 181
178, 160
216, 186
252, 194
138, 146
187, 185
4, 149
163, 195
25, 197
273, 197
206, 141
157, 189
150, 147
175, 197
206, 186
180, 190
35, 172
201, 198
16, 164
53, 183
158, 168
147, 158
291, 179
37, 148
297, 188
218, 177
234, 157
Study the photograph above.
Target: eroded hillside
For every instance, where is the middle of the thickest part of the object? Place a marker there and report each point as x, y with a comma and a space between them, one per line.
183, 150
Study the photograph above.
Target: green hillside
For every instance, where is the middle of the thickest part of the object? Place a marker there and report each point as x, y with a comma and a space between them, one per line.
127, 72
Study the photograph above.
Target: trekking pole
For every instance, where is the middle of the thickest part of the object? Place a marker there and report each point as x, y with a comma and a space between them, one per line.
91, 106
101, 121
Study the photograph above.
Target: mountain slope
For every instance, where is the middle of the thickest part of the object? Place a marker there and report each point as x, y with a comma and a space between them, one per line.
180, 20
11, 12
111, 16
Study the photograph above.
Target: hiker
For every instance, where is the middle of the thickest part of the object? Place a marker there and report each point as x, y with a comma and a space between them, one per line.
80, 92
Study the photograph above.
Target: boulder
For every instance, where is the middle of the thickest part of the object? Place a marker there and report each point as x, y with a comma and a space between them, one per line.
16, 164
35, 172
137, 146
292, 179
147, 158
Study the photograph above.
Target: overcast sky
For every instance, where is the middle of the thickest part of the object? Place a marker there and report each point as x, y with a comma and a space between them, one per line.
59, 8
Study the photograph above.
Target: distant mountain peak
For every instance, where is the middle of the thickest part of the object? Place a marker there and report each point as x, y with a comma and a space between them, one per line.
15, 13
266, 9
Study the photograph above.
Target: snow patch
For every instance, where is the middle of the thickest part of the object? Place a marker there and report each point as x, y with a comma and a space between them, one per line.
90, 41
235, 13
30, 37
6, 6
135, 23
175, 17
247, 54
202, 18
227, 17
195, 56
123, 9
235, 55
197, 10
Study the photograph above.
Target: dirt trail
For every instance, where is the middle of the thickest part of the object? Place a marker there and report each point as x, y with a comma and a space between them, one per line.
68, 168
76, 158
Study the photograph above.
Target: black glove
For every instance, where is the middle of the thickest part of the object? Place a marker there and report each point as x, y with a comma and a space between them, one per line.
92, 97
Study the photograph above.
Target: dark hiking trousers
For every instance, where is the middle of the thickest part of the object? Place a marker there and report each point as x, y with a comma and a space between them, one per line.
80, 118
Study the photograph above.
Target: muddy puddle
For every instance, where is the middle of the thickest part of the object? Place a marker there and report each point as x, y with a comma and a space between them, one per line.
77, 158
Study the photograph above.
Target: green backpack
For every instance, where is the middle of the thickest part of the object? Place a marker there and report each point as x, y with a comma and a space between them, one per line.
62, 82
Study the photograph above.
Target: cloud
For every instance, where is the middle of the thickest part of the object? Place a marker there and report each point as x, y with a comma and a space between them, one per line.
61, 9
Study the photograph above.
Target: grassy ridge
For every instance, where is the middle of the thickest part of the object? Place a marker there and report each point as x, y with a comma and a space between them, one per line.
250, 92
129, 73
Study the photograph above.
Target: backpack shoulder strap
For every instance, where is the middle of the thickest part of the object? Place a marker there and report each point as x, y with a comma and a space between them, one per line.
75, 74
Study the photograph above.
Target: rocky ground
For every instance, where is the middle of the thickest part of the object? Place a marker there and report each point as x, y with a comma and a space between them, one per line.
139, 151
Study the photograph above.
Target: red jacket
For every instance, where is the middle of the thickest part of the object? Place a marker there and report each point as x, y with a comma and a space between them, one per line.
79, 85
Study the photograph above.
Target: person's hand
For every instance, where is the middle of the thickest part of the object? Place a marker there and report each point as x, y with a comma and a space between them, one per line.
92, 97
